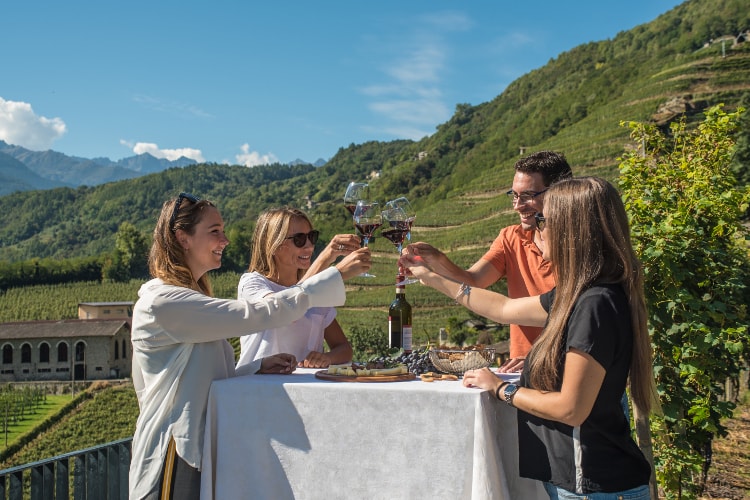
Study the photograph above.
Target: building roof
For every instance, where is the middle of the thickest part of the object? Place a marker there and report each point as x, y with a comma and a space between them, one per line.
106, 303
67, 328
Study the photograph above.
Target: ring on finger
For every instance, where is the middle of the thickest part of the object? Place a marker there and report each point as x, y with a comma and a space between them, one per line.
341, 247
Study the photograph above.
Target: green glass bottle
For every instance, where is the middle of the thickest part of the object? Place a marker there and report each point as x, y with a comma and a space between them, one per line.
399, 318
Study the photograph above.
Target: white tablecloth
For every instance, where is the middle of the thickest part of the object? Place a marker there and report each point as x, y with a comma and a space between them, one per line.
295, 436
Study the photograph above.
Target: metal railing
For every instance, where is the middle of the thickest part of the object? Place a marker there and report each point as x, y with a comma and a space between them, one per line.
97, 473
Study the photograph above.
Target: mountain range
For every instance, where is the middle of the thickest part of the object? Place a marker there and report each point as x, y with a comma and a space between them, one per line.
695, 56
22, 169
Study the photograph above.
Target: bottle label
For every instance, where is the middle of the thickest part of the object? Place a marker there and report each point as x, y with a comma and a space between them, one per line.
407, 337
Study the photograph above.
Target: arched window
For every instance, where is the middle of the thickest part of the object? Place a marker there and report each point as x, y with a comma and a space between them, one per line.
44, 352
26, 353
117, 349
62, 352
7, 354
124, 350
80, 352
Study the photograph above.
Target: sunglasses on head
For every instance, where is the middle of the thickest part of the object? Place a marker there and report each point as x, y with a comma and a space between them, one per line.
183, 196
299, 239
540, 220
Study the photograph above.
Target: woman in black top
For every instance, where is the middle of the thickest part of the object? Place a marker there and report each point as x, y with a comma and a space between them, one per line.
573, 434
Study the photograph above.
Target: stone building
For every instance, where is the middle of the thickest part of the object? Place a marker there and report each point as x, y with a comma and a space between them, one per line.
105, 310
79, 349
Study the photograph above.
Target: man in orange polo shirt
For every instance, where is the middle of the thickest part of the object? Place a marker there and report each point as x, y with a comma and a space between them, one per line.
516, 253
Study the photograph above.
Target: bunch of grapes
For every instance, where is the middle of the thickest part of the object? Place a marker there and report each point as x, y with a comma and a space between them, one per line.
417, 361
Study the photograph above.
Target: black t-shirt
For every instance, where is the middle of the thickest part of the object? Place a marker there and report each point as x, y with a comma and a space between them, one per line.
600, 455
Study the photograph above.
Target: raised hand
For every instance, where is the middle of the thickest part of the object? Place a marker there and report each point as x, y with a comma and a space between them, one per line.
414, 265
431, 255
341, 244
357, 262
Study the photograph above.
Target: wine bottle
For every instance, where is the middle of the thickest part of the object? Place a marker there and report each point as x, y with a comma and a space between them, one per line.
399, 318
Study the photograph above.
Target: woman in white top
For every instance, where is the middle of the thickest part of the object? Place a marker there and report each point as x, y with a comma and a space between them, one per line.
179, 345
283, 244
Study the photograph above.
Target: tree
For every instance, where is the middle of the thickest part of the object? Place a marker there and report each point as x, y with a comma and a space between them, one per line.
130, 257
686, 208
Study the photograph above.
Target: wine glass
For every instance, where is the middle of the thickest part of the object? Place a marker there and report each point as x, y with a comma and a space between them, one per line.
367, 218
399, 216
355, 192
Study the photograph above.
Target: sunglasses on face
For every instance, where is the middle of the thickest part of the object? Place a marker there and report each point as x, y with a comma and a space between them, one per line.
540, 220
299, 239
183, 196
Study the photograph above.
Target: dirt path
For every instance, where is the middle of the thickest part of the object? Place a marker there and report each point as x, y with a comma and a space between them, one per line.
729, 476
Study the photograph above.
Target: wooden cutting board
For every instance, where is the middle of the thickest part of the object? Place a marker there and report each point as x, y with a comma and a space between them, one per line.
324, 375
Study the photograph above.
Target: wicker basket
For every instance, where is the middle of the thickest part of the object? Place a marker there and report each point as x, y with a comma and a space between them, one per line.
459, 361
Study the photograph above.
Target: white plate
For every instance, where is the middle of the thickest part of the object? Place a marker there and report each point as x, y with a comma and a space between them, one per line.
509, 377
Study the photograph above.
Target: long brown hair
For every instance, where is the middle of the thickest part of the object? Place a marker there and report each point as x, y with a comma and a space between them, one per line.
588, 242
269, 235
167, 257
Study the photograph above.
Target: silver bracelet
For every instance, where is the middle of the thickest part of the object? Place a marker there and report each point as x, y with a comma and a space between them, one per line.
464, 289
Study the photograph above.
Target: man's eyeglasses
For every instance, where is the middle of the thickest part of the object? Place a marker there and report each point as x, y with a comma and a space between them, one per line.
299, 239
524, 197
183, 196
540, 220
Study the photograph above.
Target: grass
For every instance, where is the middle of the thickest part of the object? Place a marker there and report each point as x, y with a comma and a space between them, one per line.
45, 410
107, 416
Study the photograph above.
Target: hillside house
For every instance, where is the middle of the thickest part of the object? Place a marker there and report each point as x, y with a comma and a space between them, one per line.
86, 349
105, 310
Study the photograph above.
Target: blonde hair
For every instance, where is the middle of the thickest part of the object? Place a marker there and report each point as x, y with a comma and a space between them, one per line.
167, 256
269, 235
588, 242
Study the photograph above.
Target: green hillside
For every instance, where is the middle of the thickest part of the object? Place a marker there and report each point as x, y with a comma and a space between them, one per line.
573, 104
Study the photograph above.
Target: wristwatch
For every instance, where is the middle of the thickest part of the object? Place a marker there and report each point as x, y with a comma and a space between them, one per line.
508, 393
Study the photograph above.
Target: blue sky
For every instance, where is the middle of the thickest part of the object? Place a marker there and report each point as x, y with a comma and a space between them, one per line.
248, 82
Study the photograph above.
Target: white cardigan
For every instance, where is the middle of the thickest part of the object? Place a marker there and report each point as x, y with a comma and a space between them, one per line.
179, 348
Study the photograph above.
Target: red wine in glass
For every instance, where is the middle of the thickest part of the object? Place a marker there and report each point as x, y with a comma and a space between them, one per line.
397, 232
367, 228
400, 216
395, 236
367, 218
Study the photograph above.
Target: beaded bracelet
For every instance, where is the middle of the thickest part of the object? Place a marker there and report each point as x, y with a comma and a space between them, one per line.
464, 289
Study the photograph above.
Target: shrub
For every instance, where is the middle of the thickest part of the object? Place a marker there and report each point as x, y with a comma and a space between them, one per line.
368, 342
686, 215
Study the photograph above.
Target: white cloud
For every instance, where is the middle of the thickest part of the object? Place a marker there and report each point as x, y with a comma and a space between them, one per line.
253, 158
421, 66
421, 111
412, 93
19, 125
170, 154
411, 99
